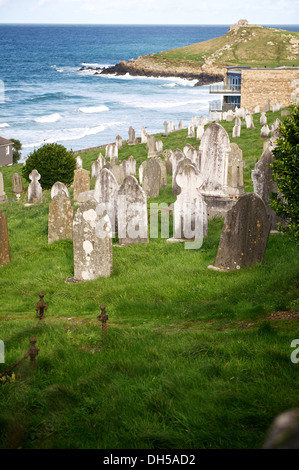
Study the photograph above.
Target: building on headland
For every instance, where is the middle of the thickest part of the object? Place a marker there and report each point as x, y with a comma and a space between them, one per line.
243, 24
6, 150
250, 87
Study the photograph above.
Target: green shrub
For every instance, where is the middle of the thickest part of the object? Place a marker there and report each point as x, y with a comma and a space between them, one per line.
54, 163
16, 154
286, 174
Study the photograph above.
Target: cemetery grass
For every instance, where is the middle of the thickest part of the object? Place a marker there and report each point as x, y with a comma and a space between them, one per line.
192, 359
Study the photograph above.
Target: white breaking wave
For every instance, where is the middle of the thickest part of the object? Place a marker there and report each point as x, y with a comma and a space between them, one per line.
127, 76
65, 135
49, 118
94, 109
167, 104
4, 124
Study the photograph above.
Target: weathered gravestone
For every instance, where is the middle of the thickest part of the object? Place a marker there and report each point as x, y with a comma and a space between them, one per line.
265, 131
167, 158
79, 163
106, 193
234, 172
165, 124
4, 241
263, 185
132, 139
3, 197
132, 213
263, 119
244, 235
92, 243
144, 135
181, 125
215, 149
175, 158
119, 141
81, 182
163, 178
150, 177
151, 146
191, 131
249, 121
119, 173
190, 209
97, 166
57, 188
200, 130
17, 184
236, 132
35, 191
61, 215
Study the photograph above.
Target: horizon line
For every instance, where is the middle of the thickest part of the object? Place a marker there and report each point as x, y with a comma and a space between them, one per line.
140, 24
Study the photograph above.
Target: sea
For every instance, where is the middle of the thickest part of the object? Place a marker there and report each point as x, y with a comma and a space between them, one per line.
44, 98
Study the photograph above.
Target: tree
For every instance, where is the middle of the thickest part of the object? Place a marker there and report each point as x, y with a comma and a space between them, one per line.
53, 162
286, 174
16, 154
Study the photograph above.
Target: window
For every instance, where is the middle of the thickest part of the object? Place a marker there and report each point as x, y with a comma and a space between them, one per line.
7, 150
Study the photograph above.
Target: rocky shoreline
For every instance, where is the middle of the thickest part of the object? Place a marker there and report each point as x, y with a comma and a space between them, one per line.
148, 67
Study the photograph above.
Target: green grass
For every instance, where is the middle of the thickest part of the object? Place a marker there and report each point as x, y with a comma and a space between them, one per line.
192, 358
253, 46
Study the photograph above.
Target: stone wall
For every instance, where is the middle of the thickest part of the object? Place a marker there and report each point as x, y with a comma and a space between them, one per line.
260, 85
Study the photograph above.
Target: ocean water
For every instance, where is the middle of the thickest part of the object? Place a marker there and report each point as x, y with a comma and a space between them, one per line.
43, 97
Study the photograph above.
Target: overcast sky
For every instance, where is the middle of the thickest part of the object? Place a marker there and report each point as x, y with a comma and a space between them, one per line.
149, 11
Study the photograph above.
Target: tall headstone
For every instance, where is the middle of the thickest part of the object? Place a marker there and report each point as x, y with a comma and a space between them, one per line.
4, 241
81, 182
167, 153
132, 138
236, 132
190, 209
119, 141
57, 188
263, 185
200, 132
132, 213
193, 154
165, 124
119, 173
151, 146
144, 135
150, 177
181, 125
61, 215
265, 131
249, 121
244, 235
92, 243
163, 179
191, 131
234, 172
79, 163
106, 192
215, 147
3, 197
35, 191
263, 119
171, 127
175, 158
159, 147
17, 185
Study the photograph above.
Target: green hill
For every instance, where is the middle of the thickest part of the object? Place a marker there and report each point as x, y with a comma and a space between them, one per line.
247, 46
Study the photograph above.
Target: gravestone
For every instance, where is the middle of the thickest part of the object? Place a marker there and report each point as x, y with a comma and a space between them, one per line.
105, 193
132, 139
244, 235
267, 106
175, 158
171, 127
144, 135
4, 241
193, 154
167, 158
263, 119
61, 215
181, 125
190, 209
150, 177
119, 141
151, 146
165, 124
200, 132
79, 163
132, 213
263, 185
249, 121
81, 182
35, 191
119, 173
57, 188
215, 147
191, 131
230, 116
234, 172
17, 184
3, 197
265, 131
159, 147
112, 153
97, 166
163, 179
236, 132
256, 109
92, 243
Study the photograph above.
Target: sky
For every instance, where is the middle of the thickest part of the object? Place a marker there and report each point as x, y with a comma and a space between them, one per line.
149, 11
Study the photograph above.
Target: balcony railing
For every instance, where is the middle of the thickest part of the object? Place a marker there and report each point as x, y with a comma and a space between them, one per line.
221, 88
215, 105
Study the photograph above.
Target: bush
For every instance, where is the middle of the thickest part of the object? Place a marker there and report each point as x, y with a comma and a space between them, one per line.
53, 162
16, 154
286, 174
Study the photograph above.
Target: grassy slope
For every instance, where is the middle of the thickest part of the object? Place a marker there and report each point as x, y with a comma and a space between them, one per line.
192, 358
248, 47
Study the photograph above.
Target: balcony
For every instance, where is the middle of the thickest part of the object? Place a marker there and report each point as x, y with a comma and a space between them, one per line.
226, 89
